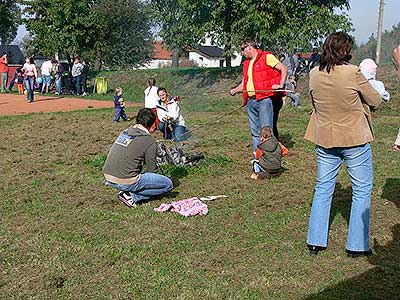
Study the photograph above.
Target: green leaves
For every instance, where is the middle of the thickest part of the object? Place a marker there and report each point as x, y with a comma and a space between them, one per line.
275, 24
116, 33
124, 38
9, 21
60, 26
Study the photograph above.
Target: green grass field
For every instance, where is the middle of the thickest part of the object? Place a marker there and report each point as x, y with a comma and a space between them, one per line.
64, 235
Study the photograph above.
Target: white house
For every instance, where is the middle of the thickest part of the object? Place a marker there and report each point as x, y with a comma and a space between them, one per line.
210, 55
207, 56
161, 57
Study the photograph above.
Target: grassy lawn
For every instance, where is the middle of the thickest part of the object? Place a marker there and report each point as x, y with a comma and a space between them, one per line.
64, 235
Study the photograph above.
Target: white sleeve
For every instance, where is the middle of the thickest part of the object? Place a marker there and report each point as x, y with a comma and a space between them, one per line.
161, 113
380, 88
174, 111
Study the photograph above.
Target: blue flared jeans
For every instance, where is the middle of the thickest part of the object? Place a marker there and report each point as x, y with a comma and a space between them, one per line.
358, 162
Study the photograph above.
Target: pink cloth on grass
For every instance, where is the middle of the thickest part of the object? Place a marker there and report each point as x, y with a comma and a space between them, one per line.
187, 207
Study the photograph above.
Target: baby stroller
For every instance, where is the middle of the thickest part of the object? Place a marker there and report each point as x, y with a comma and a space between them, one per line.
66, 79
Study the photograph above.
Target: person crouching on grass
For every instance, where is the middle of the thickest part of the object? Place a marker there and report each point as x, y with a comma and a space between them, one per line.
123, 169
172, 124
119, 106
268, 156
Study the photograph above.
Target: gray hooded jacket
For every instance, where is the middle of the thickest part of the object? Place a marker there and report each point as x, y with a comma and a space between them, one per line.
270, 161
133, 148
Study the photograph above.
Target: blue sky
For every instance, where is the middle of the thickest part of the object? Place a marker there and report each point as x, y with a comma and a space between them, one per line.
363, 13
364, 16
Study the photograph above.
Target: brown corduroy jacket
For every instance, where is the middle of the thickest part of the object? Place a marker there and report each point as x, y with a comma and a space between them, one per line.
342, 100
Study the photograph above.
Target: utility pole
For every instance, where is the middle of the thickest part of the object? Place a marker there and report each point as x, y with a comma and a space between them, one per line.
379, 35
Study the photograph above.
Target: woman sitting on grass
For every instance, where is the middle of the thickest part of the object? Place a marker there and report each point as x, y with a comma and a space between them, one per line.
172, 124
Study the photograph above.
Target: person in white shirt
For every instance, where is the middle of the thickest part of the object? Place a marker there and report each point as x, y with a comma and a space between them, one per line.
45, 69
150, 94
151, 100
172, 123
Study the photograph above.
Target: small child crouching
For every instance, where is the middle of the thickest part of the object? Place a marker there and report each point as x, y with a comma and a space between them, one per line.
119, 106
268, 156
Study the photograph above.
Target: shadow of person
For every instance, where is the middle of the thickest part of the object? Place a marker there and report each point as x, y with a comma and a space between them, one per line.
380, 282
341, 203
174, 172
391, 191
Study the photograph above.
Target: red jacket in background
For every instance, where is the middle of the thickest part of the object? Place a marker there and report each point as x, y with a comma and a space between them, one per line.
3, 65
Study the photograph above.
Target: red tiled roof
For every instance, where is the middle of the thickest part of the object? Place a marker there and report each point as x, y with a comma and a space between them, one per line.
305, 55
160, 52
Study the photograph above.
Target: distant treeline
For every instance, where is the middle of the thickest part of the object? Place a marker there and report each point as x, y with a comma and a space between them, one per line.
390, 40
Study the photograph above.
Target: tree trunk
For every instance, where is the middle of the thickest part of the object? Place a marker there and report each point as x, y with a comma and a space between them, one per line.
228, 29
175, 58
228, 61
228, 58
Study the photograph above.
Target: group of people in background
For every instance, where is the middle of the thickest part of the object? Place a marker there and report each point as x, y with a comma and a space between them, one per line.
169, 119
50, 76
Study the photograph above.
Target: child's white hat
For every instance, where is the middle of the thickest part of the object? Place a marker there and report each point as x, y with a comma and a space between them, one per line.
369, 65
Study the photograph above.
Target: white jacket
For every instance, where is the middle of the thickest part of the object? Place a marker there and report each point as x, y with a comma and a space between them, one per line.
172, 110
150, 97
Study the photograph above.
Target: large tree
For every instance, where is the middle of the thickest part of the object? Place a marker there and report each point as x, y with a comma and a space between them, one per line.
123, 36
181, 23
66, 27
290, 24
275, 24
114, 32
9, 21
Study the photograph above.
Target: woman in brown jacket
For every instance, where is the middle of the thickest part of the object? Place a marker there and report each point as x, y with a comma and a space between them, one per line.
340, 126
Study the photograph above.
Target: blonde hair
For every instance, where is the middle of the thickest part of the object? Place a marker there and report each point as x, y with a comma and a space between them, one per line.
266, 132
118, 90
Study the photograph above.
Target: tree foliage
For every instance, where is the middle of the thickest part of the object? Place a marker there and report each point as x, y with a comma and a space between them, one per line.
390, 40
9, 21
65, 27
181, 22
123, 36
114, 32
275, 24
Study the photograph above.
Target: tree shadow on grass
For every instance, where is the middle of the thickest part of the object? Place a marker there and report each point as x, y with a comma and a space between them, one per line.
391, 191
382, 281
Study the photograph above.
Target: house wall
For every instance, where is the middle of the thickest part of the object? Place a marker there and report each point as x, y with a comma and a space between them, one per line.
11, 72
236, 60
157, 63
203, 61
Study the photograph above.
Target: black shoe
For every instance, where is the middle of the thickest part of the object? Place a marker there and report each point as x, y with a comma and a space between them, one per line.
355, 254
315, 249
127, 199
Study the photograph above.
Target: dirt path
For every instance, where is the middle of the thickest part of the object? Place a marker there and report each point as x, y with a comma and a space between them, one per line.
13, 104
